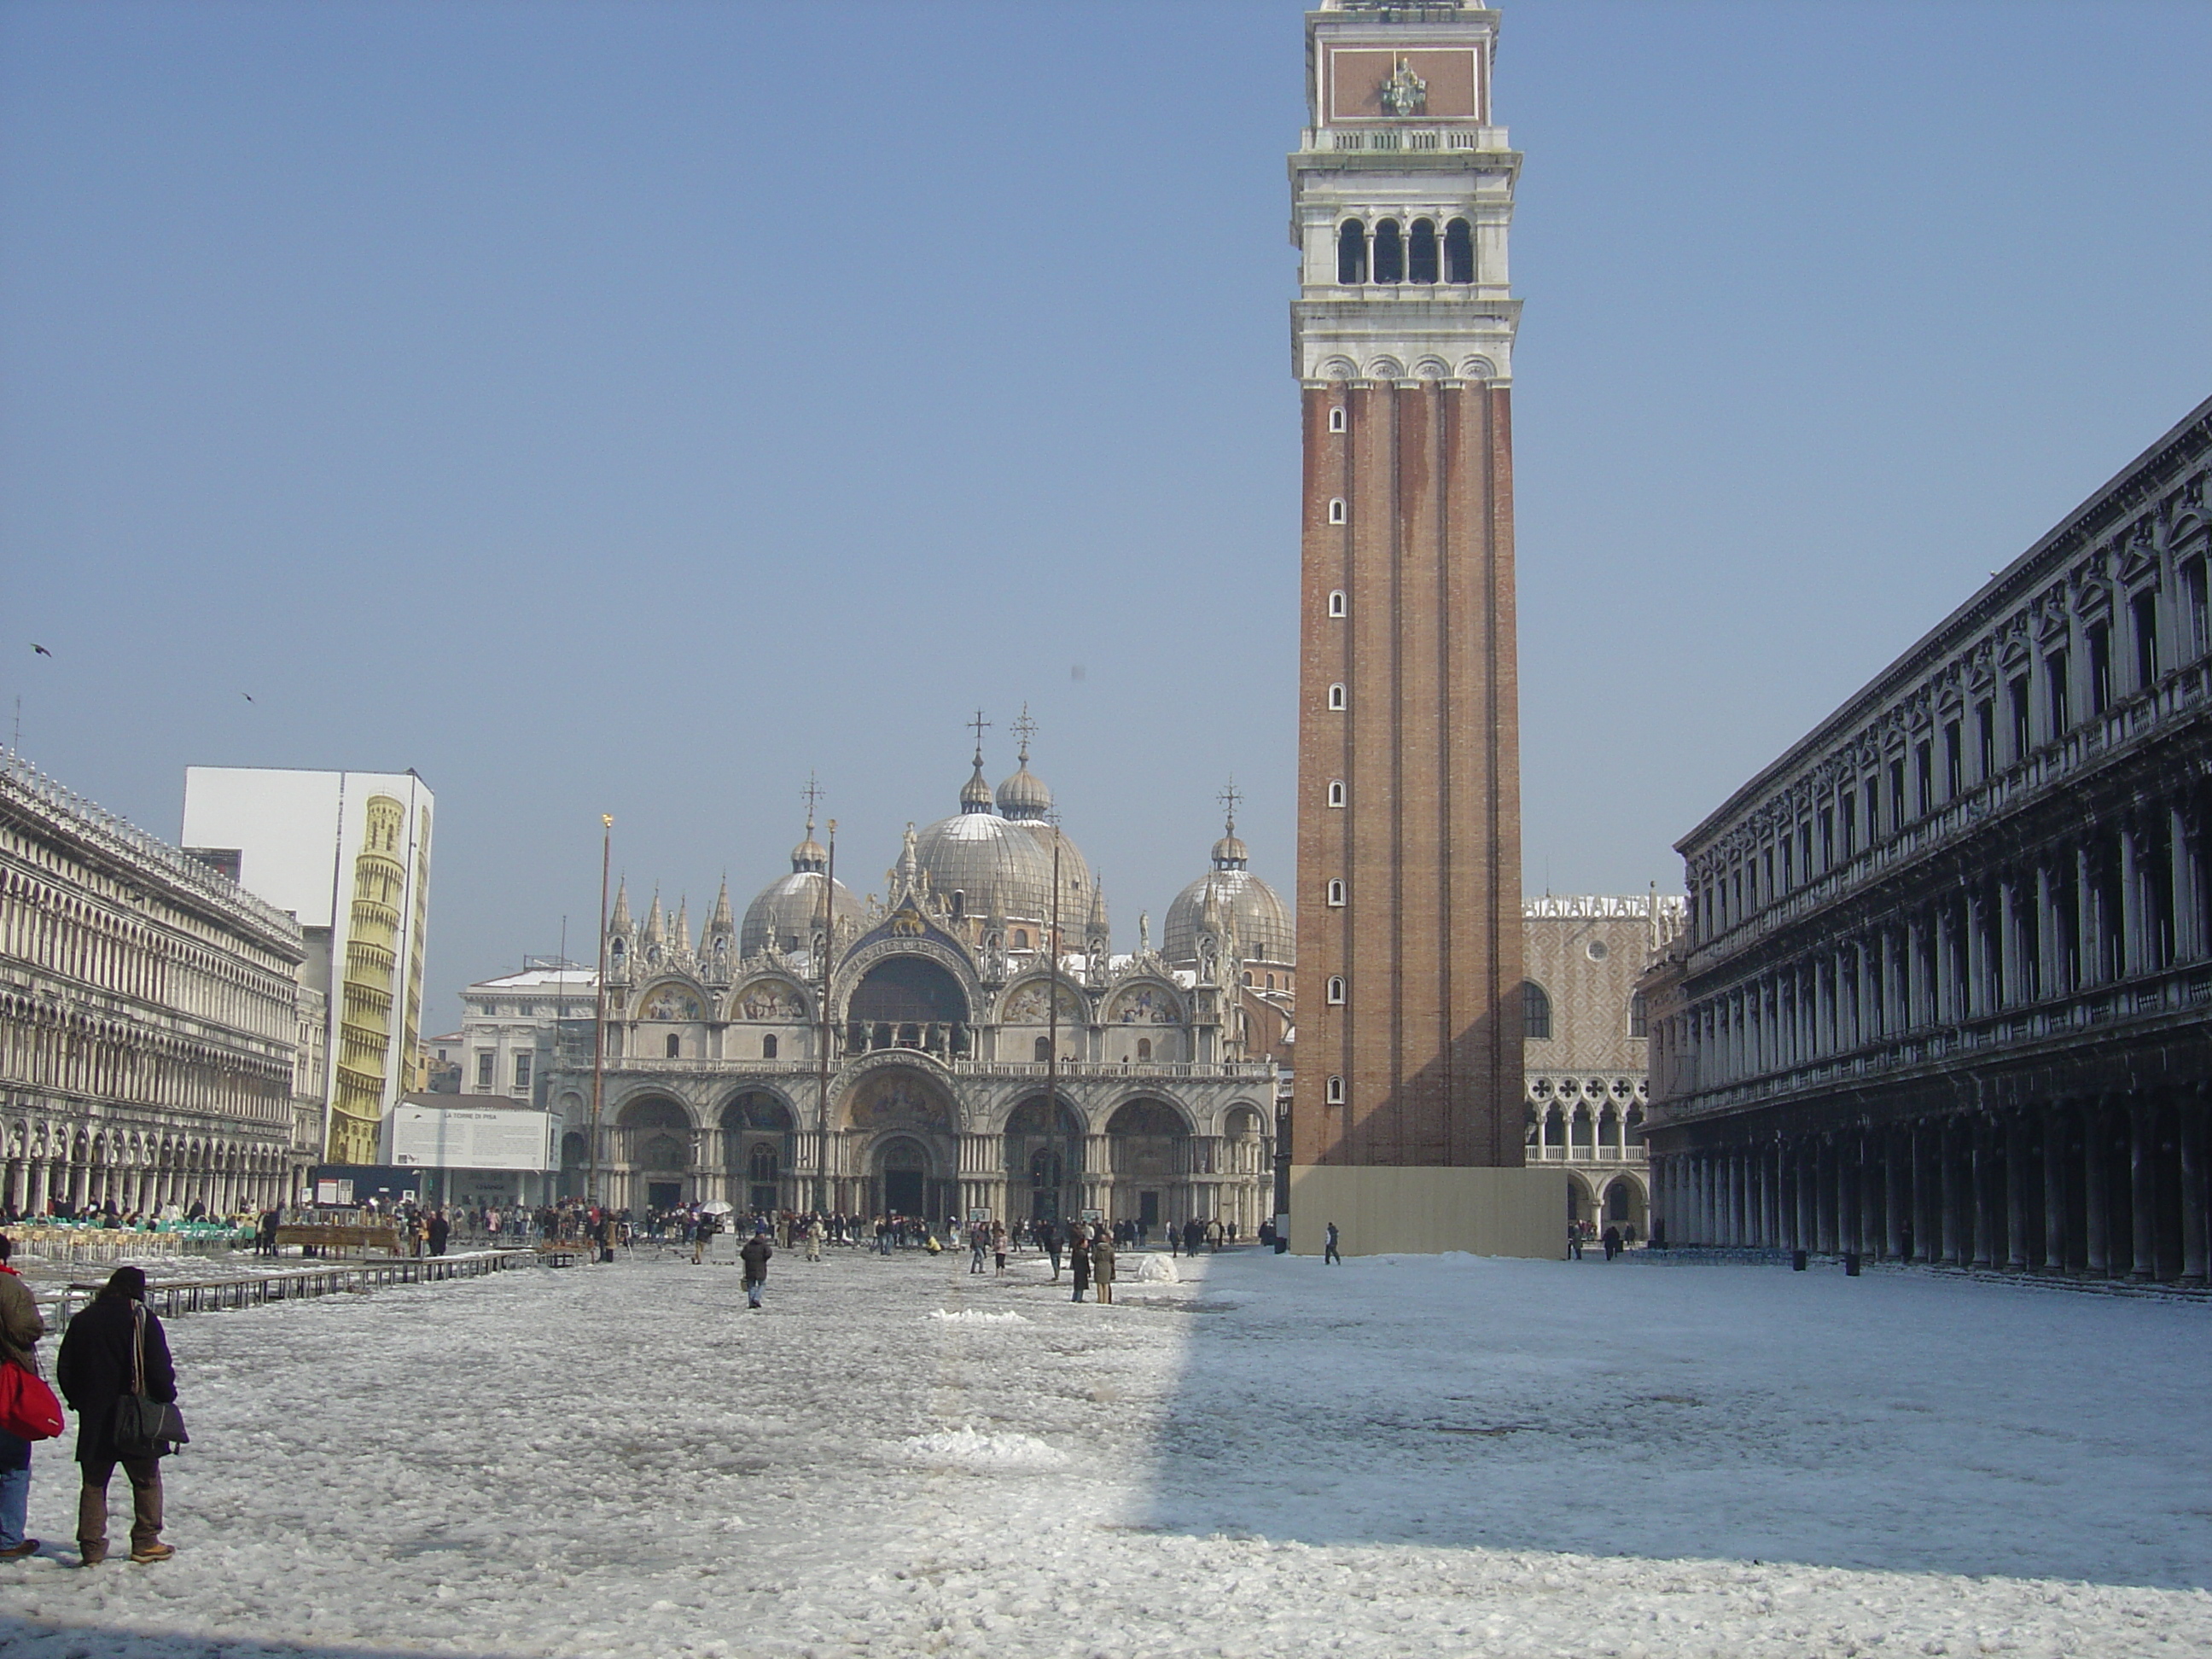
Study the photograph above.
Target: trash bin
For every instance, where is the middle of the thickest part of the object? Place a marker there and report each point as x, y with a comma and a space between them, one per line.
1850, 1264
1796, 1262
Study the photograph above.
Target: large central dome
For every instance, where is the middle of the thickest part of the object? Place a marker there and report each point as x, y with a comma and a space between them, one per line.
987, 865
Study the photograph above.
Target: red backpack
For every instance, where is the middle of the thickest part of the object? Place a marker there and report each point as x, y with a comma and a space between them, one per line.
28, 1409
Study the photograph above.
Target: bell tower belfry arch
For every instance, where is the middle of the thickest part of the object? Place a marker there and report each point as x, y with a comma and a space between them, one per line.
1407, 1125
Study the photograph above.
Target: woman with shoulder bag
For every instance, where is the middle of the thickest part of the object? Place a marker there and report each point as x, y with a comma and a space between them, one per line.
115, 1373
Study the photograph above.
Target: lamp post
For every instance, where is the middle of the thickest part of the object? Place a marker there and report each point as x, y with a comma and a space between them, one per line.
599, 1015
1052, 1007
822, 1049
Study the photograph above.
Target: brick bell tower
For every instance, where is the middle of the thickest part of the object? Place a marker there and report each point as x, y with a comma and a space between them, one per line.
1407, 1125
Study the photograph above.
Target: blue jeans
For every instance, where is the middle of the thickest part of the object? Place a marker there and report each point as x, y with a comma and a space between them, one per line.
14, 1501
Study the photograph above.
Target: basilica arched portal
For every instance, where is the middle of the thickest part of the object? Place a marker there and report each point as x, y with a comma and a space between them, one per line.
902, 1132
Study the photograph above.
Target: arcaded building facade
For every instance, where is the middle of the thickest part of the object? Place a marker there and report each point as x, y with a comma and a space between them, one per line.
1945, 991
943, 1069
149, 1016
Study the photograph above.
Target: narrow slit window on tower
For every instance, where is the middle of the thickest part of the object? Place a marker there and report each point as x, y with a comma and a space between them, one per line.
1336, 696
1336, 513
1335, 1091
1336, 891
1336, 990
1351, 252
1459, 252
1336, 792
1336, 418
1390, 253
1421, 251
1336, 602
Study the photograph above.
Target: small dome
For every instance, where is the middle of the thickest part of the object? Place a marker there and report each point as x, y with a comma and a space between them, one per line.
1024, 796
976, 794
810, 854
787, 912
1265, 929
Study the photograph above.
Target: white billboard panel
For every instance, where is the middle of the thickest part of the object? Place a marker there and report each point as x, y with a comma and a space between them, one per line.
349, 851
462, 1138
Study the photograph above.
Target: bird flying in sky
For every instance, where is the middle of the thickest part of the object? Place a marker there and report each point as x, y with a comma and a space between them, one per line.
41, 649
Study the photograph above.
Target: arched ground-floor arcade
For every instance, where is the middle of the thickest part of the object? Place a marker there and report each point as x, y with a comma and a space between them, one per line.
911, 1135
2106, 1186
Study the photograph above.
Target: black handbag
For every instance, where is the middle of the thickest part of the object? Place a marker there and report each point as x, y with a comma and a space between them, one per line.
145, 1428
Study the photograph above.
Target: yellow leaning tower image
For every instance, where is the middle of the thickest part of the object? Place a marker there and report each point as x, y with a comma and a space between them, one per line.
371, 961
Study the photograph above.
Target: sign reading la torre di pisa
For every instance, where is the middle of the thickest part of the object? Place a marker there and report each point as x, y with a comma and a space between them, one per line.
1408, 1127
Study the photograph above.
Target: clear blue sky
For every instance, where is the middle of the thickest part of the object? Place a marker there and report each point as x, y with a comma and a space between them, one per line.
632, 407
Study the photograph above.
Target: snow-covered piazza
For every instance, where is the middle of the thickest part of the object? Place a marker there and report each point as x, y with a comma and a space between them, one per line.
1259, 1455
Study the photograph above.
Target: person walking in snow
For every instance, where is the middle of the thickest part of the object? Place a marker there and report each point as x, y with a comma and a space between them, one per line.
1048, 1240
999, 1245
816, 1232
1611, 1240
755, 1255
1328, 1251
1101, 1265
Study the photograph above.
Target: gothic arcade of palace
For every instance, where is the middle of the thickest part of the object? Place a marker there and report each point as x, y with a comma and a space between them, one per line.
962, 1075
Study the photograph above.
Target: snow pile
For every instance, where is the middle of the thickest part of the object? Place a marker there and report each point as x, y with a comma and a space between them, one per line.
973, 1449
1156, 1270
977, 1316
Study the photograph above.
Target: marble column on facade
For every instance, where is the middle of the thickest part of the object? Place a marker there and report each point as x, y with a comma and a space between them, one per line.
2049, 955
2013, 987
2096, 1175
2142, 1188
1983, 1151
2088, 919
1870, 1193
2055, 1253
1808, 1195
1928, 1189
1945, 993
2132, 953
1895, 1194
2188, 896
1954, 1240
2015, 1175
1977, 955
2191, 1152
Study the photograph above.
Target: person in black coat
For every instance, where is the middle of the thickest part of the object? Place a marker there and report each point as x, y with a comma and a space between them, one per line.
441, 1231
755, 1255
97, 1366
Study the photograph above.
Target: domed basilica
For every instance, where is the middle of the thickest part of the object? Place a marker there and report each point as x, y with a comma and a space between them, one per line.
955, 1073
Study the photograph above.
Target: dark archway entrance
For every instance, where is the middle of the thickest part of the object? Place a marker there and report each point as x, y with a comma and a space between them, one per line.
759, 1141
1044, 1160
905, 1167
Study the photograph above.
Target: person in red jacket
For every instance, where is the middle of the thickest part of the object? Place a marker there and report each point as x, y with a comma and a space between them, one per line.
21, 1328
